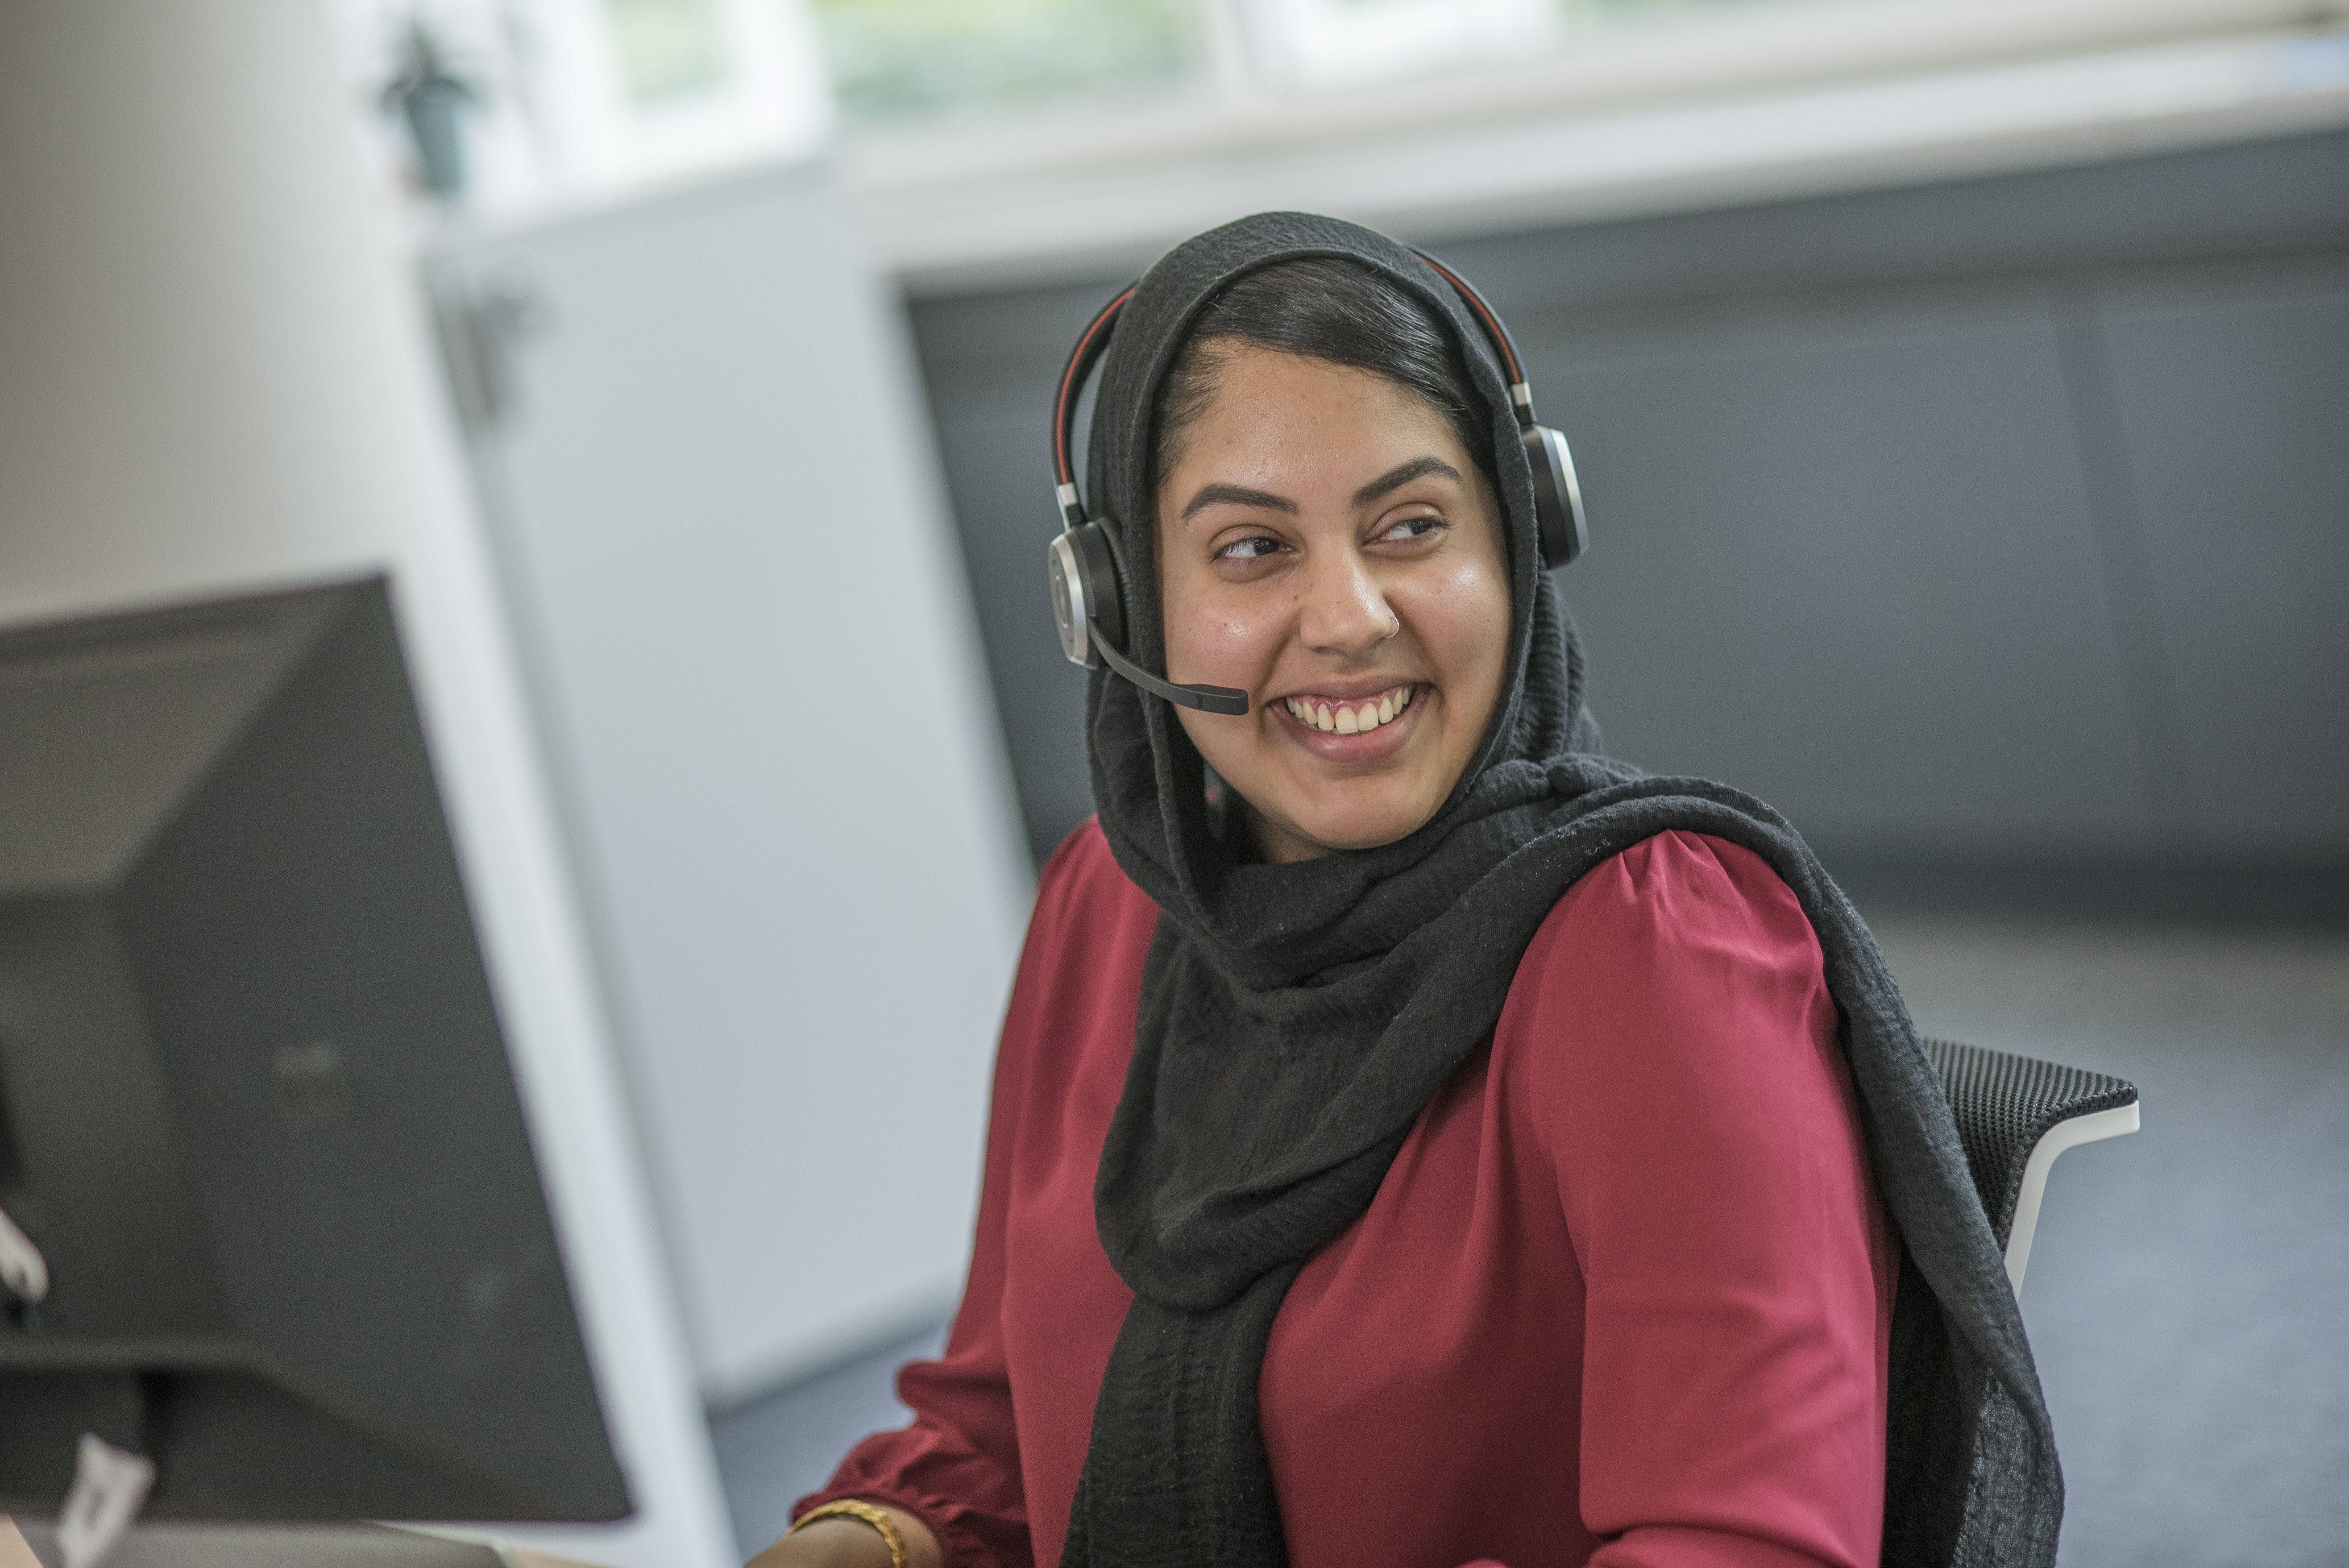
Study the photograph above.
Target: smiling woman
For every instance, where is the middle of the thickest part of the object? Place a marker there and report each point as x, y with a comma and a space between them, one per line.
1417, 1137
1328, 541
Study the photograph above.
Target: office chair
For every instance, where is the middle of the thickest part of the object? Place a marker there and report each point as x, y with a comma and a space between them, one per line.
2015, 1115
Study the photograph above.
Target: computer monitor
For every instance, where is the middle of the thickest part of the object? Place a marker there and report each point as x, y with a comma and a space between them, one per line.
257, 1116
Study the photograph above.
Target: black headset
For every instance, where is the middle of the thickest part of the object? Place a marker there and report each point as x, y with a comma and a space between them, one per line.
1089, 594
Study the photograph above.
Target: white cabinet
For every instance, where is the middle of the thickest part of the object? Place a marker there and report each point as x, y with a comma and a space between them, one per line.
695, 430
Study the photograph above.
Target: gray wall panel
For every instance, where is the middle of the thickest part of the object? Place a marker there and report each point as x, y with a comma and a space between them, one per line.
1844, 560
998, 478
2234, 388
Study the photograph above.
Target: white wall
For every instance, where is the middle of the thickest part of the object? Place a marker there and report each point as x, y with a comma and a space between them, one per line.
711, 479
214, 376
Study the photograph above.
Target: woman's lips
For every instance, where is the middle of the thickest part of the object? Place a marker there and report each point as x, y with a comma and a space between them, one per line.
1349, 716
1390, 715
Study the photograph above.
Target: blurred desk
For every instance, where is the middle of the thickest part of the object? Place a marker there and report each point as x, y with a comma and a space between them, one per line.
279, 1546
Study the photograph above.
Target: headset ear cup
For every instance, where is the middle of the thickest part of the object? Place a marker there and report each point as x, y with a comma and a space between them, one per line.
1064, 578
1105, 590
1088, 600
1557, 498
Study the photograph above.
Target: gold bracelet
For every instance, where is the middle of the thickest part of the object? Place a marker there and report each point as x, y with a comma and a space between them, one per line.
857, 1508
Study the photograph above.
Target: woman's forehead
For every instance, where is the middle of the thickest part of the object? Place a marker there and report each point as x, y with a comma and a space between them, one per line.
1269, 406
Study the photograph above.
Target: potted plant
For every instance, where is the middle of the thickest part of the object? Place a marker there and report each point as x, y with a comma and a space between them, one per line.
430, 96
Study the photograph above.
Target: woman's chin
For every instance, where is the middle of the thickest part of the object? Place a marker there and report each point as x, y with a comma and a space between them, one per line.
1368, 826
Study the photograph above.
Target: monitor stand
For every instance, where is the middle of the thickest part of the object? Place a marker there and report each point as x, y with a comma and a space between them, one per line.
32, 1543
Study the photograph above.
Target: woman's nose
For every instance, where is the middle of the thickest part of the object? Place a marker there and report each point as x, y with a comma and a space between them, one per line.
1346, 612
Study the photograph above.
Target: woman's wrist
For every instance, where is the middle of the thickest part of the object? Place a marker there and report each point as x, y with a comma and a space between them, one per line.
836, 1543
850, 1541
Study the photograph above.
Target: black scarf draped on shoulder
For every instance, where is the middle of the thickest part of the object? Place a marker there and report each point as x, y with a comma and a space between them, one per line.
1296, 1018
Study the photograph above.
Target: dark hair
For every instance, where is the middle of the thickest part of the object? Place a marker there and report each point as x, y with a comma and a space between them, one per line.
1324, 308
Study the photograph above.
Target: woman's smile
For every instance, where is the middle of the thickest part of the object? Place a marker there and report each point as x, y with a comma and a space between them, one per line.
1341, 727
1345, 714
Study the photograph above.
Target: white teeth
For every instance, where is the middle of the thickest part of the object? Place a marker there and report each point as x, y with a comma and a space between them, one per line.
1343, 720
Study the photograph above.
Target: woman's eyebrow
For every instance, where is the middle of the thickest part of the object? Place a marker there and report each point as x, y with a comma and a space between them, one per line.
1209, 495
1395, 478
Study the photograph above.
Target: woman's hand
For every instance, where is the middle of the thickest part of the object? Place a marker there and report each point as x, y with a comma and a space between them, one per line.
841, 1542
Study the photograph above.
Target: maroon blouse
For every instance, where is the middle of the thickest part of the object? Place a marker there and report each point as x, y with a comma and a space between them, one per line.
1624, 1298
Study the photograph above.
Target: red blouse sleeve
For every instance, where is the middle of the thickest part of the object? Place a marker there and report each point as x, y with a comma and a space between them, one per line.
1695, 1107
957, 1465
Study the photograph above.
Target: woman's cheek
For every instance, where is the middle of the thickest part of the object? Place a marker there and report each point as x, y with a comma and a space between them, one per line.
1226, 644
1463, 621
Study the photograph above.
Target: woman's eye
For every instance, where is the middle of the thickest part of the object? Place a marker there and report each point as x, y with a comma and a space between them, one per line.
1412, 528
1247, 549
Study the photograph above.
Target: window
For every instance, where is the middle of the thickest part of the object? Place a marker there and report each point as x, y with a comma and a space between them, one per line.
898, 61
895, 60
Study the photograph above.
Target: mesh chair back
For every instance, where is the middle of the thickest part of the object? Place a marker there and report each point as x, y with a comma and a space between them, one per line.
2004, 1105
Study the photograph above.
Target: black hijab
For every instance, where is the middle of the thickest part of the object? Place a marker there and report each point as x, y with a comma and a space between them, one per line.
1296, 1018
